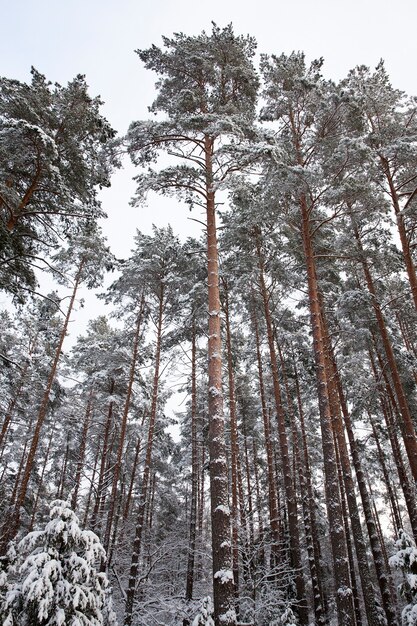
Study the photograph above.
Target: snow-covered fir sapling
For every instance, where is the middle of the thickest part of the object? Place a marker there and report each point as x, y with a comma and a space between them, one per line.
58, 581
205, 614
405, 559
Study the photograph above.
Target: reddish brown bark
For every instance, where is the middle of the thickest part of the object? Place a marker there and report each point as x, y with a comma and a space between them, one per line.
402, 231
388, 405
223, 584
338, 404
344, 602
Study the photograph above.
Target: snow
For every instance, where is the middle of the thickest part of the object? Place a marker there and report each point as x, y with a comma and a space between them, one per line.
225, 575
223, 509
229, 617
344, 591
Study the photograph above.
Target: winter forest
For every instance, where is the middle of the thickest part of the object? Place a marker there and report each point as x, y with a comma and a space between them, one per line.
281, 491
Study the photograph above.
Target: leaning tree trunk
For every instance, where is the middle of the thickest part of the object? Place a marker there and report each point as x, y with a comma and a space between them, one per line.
336, 397
395, 510
408, 430
402, 231
382, 575
15, 518
137, 544
345, 609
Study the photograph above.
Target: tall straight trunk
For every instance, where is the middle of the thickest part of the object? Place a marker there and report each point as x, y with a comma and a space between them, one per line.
248, 473
290, 493
100, 492
20, 469
309, 516
132, 479
402, 231
349, 547
345, 609
91, 487
234, 448
194, 476
81, 454
44, 464
223, 584
137, 544
61, 486
272, 495
15, 518
409, 433
113, 539
299, 470
123, 425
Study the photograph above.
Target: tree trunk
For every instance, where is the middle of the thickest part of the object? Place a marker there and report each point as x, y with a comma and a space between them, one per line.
290, 493
409, 433
132, 480
405, 243
120, 447
81, 454
234, 446
100, 492
309, 515
223, 584
344, 602
194, 476
137, 545
272, 496
338, 403
388, 406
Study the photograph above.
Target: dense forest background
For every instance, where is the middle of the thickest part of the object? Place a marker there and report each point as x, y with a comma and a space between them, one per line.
284, 490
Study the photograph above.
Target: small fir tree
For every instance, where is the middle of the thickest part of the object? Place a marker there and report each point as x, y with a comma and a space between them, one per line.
59, 582
405, 559
205, 614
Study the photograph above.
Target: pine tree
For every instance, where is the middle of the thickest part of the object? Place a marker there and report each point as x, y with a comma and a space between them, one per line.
207, 92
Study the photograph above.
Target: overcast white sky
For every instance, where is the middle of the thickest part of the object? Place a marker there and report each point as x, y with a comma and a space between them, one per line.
62, 38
